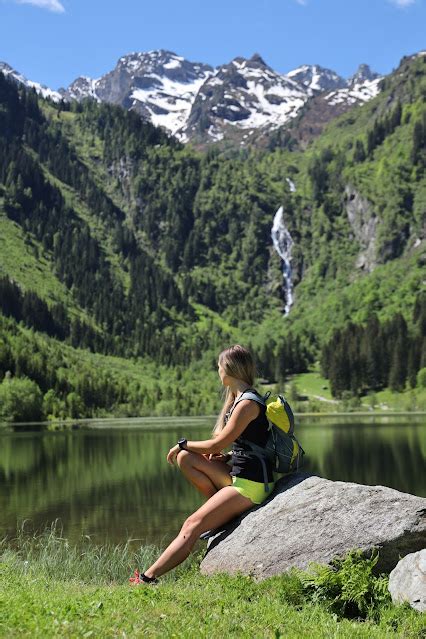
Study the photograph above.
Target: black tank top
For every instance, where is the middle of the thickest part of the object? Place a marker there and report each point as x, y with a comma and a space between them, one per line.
257, 432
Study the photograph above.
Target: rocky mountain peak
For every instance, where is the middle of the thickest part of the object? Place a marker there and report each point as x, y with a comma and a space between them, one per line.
243, 66
244, 94
362, 74
257, 60
161, 62
317, 78
160, 85
82, 87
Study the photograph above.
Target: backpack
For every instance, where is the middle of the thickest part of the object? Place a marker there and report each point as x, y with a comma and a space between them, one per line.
282, 447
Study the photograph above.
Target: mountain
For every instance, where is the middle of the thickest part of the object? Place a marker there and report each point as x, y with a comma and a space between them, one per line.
159, 85
245, 95
330, 97
17, 77
118, 239
237, 104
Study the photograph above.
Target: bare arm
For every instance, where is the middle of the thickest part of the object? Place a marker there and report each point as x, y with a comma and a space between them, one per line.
243, 414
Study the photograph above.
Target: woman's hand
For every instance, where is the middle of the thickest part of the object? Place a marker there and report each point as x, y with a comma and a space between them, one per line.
173, 453
223, 457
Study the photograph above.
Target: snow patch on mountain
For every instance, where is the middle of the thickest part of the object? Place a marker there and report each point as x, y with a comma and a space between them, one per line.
173, 64
357, 93
316, 78
168, 102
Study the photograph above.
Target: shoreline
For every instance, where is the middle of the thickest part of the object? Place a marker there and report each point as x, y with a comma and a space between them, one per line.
93, 421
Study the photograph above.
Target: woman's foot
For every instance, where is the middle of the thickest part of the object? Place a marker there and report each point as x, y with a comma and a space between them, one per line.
141, 578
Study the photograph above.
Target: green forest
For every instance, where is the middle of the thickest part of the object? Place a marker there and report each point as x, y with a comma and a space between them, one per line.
128, 261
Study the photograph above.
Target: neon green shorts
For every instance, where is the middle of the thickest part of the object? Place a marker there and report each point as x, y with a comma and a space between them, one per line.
253, 490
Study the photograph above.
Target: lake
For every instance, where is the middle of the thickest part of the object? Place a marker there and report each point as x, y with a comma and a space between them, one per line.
110, 480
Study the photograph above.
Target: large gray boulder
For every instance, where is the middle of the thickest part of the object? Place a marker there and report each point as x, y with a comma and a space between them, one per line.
310, 519
407, 582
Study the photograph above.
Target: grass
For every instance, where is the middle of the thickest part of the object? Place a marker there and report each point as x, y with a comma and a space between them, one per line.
50, 589
25, 260
312, 385
319, 399
408, 400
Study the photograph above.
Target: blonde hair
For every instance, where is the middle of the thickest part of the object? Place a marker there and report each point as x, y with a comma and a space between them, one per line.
237, 362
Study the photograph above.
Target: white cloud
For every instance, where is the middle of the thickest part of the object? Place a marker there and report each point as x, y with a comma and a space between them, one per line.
50, 5
402, 3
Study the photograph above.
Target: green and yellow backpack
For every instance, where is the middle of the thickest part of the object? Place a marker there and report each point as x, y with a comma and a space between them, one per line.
282, 447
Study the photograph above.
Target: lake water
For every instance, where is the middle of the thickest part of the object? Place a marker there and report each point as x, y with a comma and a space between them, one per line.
111, 480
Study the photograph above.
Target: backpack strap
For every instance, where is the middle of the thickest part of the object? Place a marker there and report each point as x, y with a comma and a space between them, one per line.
289, 413
257, 451
261, 455
250, 394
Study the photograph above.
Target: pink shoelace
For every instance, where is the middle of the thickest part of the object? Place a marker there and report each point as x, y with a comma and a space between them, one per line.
135, 580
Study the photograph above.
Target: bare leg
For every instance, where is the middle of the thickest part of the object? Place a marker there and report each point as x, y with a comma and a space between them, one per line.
226, 504
208, 476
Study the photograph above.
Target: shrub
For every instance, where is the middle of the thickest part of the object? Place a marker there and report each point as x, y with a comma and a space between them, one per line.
421, 378
21, 400
348, 587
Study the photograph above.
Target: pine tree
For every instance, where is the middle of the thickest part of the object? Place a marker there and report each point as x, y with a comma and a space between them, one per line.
359, 152
398, 368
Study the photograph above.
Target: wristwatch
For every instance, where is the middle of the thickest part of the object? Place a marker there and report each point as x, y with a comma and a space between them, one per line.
182, 443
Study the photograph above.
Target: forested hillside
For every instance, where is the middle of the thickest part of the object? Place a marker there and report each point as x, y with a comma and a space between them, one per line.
117, 239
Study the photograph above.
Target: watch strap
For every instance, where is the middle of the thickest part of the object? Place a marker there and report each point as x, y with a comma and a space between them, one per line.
182, 443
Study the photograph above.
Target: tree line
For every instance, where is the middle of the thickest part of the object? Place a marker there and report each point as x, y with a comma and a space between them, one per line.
370, 357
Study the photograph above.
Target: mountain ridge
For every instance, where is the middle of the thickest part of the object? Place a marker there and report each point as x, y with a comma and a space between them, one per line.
183, 97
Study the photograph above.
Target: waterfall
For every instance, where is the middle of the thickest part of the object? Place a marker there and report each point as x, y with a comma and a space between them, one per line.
291, 185
283, 244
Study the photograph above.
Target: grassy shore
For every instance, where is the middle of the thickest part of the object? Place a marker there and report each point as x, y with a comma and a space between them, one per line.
316, 397
50, 589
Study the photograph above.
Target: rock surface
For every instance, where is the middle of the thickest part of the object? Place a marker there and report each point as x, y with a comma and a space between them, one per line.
407, 582
310, 519
364, 225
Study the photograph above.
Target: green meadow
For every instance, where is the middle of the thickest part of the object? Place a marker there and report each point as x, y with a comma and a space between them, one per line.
51, 589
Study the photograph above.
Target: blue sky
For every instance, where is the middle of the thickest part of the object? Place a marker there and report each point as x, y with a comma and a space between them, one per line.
55, 41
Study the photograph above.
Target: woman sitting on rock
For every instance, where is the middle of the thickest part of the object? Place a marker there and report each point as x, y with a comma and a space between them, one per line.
229, 491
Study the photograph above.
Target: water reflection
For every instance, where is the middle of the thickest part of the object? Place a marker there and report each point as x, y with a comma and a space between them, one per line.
390, 455
109, 484
114, 484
